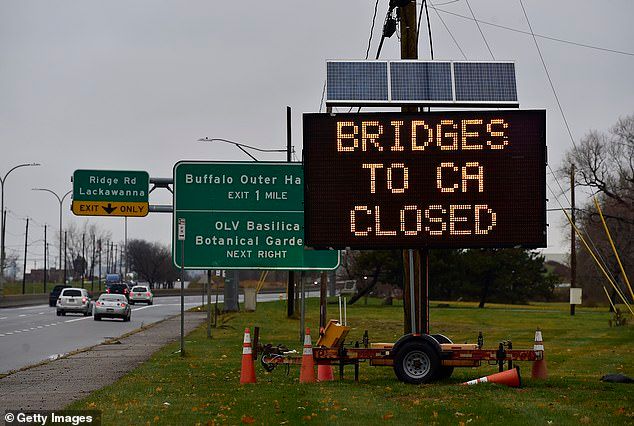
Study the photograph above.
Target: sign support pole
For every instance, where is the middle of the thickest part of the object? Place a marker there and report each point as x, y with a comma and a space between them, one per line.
209, 303
182, 298
424, 292
302, 306
573, 243
412, 298
409, 50
322, 301
181, 237
290, 289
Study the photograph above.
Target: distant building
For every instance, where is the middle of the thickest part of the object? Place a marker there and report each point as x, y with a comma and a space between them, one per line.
37, 275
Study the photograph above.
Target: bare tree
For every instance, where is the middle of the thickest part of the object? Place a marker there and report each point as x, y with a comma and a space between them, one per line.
152, 262
76, 257
604, 164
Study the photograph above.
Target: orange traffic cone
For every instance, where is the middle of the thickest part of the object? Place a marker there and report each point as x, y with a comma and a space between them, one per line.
247, 374
324, 373
539, 371
307, 370
509, 378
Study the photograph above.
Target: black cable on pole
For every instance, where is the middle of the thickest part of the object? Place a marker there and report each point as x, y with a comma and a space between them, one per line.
431, 45
323, 93
378, 51
367, 51
420, 16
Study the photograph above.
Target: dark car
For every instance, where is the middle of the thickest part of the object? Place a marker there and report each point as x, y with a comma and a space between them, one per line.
119, 288
52, 298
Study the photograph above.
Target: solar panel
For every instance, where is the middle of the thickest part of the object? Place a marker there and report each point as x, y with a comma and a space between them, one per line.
357, 81
437, 83
419, 81
485, 81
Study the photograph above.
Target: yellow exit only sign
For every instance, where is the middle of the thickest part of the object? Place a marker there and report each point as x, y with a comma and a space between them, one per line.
109, 208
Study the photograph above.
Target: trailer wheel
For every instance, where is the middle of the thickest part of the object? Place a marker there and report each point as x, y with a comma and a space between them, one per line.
268, 366
443, 372
416, 362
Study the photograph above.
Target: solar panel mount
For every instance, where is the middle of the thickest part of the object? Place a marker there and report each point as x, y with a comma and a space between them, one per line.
426, 83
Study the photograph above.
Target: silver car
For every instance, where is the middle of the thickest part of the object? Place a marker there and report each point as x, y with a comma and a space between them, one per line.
141, 294
112, 306
74, 300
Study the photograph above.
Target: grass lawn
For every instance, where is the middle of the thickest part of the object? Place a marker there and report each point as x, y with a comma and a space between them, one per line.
203, 387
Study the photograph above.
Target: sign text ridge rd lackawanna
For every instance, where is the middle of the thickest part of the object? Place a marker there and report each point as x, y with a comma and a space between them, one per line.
110, 193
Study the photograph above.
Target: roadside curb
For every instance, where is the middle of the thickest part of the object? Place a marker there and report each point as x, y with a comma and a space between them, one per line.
53, 384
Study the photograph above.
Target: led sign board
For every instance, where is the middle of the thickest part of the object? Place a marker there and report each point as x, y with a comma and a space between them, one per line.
469, 179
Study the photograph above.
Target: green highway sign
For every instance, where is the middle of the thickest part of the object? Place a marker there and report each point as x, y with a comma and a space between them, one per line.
243, 216
110, 193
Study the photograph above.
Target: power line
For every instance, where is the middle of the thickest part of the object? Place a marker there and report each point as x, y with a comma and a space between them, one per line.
480, 29
552, 86
560, 40
420, 16
449, 31
447, 2
376, 7
588, 237
559, 184
323, 93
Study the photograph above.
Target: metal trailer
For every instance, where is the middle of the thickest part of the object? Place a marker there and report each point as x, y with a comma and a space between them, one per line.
416, 358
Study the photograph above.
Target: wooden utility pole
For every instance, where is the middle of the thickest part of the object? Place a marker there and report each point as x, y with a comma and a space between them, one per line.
414, 299
83, 258
45, 244
65, 257
99, 283
115, 258
92, 265
26, 241
573, 242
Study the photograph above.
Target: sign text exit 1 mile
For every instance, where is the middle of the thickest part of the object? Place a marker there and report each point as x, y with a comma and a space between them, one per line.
244, 216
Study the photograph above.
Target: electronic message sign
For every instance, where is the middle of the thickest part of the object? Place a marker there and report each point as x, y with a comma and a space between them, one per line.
468, 179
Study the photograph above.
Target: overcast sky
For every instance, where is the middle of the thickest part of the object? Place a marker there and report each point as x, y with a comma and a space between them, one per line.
133, 84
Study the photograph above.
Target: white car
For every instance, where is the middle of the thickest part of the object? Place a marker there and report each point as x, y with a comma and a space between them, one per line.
74, 300
112, 306
141, 294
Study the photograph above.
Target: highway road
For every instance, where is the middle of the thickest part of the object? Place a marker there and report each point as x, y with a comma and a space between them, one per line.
33, 334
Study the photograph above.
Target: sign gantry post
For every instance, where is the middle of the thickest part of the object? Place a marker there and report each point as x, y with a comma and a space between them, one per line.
181, 239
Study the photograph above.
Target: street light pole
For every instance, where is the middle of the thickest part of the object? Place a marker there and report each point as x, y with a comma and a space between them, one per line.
289, 151
61, 201
241, 146
2, 221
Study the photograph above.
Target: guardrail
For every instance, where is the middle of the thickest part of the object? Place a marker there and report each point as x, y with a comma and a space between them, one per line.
18, 300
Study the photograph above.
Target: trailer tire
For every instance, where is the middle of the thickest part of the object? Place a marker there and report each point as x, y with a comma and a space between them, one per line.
444, 372
417, 362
